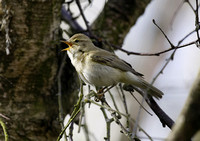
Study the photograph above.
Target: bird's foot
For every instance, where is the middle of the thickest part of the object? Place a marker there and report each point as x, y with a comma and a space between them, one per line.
100, 94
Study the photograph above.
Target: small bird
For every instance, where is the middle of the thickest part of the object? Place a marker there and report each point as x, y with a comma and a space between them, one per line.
100, 68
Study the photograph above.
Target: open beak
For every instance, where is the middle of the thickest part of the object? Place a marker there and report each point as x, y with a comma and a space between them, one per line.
68, 43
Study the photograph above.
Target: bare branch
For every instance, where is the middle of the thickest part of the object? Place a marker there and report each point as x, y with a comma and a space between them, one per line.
172, 46
108, 124
5, 117
190, 5
164, 118
73, 115
4, 129
197, 21
66, 16
60, 106
116, 119
125, 106
83, 15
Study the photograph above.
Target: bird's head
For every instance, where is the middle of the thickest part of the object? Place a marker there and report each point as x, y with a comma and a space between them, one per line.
78, 42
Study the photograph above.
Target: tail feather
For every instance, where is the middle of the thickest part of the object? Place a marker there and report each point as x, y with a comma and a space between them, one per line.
151, 90
139, 82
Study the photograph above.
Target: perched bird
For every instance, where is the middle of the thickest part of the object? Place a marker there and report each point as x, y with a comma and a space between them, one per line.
99, 67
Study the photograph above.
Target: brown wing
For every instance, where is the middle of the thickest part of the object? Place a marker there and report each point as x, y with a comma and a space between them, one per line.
110, 59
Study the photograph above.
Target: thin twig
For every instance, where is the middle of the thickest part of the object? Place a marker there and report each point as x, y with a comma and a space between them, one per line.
113, 100
76, 111
116, 119
138, 115
81, 104
140, 104
71, 128
190, 5
66, 16
83, 15
154, 54
107, 107
185, 37
60, 107
4, 129
85, 127
108, 124
125, 105
162, 69
73, 116
197, 22
5, 117
172, 46
164, 118
172, 55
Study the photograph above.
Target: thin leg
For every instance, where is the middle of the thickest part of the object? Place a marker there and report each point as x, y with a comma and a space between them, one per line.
101, 92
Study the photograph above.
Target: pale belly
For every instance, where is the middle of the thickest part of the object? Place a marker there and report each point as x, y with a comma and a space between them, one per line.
101, 75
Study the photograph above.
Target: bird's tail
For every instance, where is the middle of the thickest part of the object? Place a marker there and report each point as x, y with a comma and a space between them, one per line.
145, 86
151, 90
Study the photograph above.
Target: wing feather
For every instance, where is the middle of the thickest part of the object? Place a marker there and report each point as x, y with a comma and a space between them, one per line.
110, 59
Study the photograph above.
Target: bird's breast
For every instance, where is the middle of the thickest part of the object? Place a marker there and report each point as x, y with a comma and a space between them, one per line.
77, 60
100, 75
94, 73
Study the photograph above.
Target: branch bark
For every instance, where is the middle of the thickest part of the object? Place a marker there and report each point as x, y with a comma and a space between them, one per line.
164, 118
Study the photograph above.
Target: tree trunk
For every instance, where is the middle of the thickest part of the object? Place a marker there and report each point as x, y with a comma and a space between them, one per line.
28, 73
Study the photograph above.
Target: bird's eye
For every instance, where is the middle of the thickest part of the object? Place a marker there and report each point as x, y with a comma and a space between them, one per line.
76, 41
